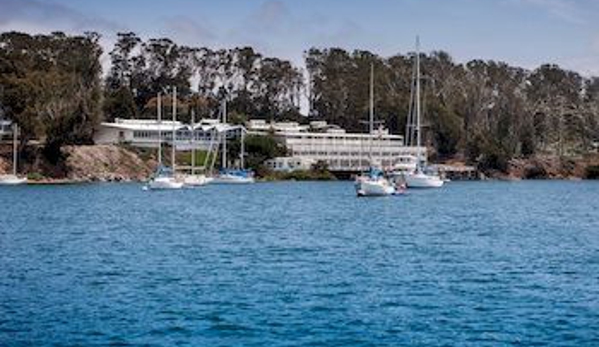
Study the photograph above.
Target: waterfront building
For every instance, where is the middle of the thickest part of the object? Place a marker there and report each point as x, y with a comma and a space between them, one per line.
144, 133
341, 151
307, 143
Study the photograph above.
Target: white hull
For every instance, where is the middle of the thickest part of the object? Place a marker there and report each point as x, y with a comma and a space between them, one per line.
232, 179
11, 180
422, 180
366, 187
195, 180
164, 183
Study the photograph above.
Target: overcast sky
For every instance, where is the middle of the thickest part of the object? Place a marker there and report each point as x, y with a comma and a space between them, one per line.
521, 32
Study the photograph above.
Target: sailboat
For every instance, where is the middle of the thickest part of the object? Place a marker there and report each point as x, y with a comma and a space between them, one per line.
373, 182
193, 179
419, 178
164, 177
13, 179
227, 175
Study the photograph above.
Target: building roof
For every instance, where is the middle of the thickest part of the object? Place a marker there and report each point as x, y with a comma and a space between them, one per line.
144, 125
167, 125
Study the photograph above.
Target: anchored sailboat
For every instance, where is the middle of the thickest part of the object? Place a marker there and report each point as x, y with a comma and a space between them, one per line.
164, 177
194, 179
227, 175
418, 178
13, 179
373, 182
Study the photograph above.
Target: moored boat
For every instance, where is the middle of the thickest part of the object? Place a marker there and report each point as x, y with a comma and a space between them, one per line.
373, 182
13, 179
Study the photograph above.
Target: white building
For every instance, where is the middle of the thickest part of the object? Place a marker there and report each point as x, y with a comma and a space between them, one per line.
145, 133
288, 164
341, 151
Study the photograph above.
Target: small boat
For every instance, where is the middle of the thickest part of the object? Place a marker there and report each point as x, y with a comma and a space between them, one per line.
196, 180
164, 177
374, 183
234, 176
13, 179
419, 177
227, 175
193, 179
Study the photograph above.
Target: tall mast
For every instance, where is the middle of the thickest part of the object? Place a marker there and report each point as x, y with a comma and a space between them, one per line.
193, 142
418, 135
15, 130
159, 108
225, 132
409, 139
242, 148
174, 128
371, 119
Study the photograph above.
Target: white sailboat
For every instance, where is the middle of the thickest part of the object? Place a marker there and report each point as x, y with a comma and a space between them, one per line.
373, 182
13, 179
164, 178
419, 178
227, 175
194, 179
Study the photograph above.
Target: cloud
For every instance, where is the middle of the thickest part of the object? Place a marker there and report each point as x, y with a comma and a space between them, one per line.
36, 16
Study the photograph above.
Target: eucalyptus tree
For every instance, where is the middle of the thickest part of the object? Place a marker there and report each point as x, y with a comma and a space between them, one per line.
51, 86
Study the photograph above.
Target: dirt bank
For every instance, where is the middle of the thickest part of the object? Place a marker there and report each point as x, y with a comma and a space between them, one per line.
105, 163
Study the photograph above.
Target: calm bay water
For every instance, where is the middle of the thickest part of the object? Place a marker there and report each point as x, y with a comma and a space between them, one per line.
300, 264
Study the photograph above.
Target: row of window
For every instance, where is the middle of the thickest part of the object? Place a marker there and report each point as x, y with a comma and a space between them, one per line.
358, 137
166, 135
345, 154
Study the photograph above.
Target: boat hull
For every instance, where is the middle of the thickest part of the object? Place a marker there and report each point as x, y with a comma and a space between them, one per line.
195, 180
373, 188
420, 180
164, 183
12, 180
232, 179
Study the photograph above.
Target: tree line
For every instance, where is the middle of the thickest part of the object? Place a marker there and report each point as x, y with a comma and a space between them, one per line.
481, 111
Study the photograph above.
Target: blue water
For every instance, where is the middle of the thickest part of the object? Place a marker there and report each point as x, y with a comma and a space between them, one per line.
300, 264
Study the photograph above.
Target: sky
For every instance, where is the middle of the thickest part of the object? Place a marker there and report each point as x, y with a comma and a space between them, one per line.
524, 33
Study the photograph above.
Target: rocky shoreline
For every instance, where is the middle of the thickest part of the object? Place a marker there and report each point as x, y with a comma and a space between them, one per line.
109, 163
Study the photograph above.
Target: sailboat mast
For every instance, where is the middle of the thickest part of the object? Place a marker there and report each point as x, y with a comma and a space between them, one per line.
174, 128
242, 148
418, 125
14, 151
225, 133
159, 108
371, 118
193, 142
